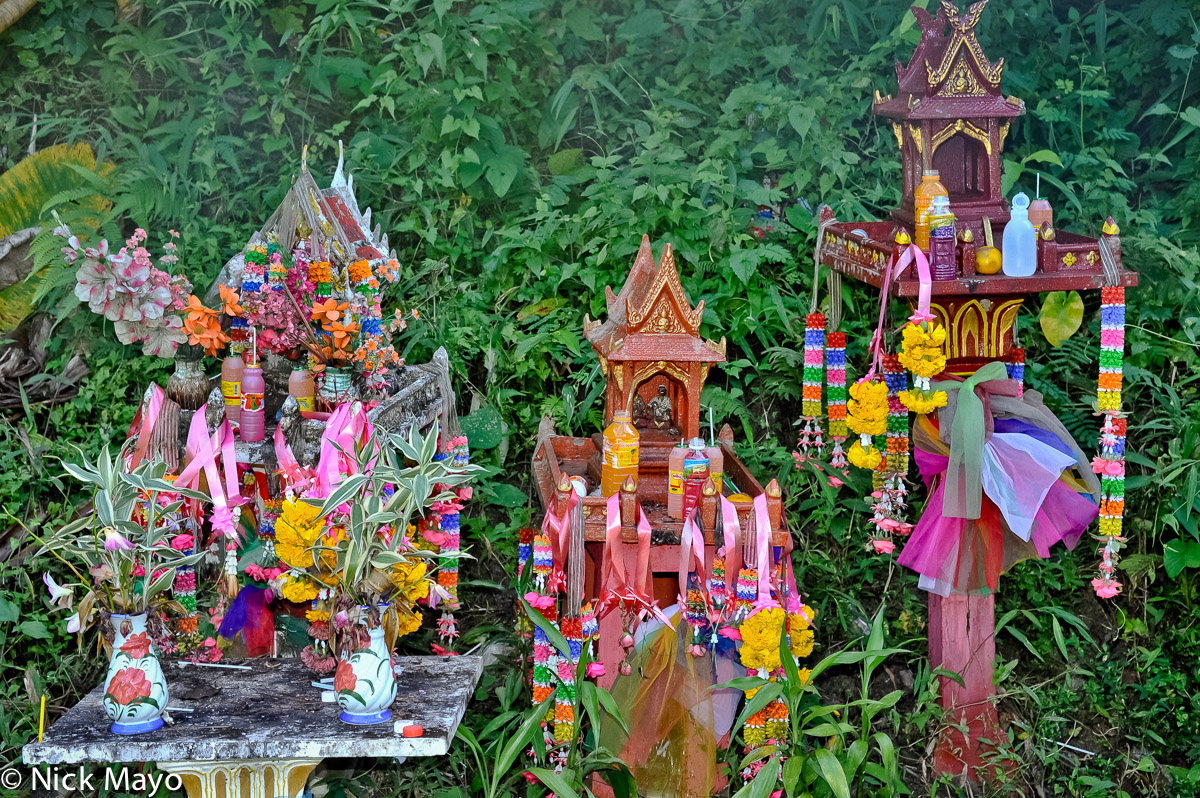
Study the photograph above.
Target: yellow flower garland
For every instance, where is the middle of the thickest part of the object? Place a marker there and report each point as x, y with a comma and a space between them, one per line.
299, 589
298, 527
867, 408
922, 354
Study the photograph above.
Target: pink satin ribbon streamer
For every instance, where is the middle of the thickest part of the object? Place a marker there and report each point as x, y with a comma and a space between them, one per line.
346, 428
558, 530
763, 532
616, 586
294, 475
732, 528
691, 555
149, 418
202, 454
895, 268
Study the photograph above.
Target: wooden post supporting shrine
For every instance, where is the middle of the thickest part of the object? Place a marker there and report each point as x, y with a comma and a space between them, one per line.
962, 640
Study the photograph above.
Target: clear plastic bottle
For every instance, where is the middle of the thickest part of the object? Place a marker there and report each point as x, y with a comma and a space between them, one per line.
1019, 245
922, 198
621, 441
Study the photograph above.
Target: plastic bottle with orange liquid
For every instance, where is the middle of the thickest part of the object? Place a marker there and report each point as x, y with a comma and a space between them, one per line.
922, 198
621, 442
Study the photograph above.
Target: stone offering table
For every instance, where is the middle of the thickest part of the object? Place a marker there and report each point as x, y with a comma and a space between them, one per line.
259, 733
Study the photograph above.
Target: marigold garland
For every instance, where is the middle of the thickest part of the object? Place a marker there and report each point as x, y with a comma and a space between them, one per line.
921, 353
866, 415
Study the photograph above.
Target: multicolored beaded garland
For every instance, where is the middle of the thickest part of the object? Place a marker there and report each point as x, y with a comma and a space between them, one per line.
835, 378
1109, 466
814, 346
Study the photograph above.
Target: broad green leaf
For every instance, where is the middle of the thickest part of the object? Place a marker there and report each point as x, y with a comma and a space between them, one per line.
831, 771
1062, 313
8, 611
508, 496
555, 782
1179, 554
35, 629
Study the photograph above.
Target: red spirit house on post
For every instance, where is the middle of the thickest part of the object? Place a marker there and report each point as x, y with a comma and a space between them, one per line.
950, 115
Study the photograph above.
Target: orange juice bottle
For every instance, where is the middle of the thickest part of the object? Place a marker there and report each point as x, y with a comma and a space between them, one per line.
923, 197
620, 453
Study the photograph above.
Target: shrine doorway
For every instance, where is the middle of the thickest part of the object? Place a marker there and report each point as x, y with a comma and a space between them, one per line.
659, 405
962, 164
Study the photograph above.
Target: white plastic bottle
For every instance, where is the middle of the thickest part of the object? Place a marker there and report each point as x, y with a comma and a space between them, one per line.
1019, 245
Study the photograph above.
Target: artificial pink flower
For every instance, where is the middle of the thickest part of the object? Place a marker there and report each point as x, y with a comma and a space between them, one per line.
595, 670
834, 482
539, 602
59, 596
114, 540
95, 284
442, 652
730, 633
465, 493
1106, 588
883, 546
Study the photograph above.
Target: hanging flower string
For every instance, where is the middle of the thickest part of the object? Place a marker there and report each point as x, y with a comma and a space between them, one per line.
835, 377
867, 417
1110, 464
1016, 368
814, 352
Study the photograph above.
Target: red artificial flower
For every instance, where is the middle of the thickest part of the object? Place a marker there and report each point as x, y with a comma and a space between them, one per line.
344, 679
137, 646
128, 685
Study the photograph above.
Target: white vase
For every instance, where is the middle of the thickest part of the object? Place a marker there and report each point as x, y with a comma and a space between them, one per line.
365, 682
135, 691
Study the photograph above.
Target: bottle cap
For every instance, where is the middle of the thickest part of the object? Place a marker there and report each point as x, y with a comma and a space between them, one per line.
1020, 202
697, 443
930, 173
621, 415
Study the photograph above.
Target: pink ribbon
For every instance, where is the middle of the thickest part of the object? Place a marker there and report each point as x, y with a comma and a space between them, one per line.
896, 267
558, 530
294, 475
763, 528
733, 548
202, 454
149, 418
616, 586
347, 427
691, 553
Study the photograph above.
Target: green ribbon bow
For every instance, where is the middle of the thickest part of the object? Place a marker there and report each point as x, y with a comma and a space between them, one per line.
964, 474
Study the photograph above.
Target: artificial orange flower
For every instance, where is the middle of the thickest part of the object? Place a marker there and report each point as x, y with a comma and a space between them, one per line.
196, 310
330, 310
340, 333
230, 299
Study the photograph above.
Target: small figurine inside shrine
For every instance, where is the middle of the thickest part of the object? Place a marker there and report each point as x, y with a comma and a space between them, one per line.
1006, 480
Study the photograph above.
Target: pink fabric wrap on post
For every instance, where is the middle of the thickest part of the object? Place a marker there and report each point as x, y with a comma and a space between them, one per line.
762, 523
558, 530
691, 556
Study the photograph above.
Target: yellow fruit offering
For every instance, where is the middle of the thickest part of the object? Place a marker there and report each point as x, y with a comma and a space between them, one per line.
987, 260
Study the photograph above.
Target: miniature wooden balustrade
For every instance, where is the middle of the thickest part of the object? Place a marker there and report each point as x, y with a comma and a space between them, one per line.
260, 733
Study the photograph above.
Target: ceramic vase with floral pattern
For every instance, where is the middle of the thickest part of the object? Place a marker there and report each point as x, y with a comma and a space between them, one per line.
365, 682
135, 692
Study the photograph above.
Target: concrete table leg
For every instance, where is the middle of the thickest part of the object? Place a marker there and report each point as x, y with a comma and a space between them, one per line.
243, 778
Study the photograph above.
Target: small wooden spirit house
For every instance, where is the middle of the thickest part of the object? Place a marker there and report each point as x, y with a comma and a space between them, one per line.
949, 115
652, 354
655, 363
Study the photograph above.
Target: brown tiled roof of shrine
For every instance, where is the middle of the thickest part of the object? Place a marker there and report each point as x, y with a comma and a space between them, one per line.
651, 317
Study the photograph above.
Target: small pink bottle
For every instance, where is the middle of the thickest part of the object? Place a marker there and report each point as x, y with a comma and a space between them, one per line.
254, 414
231, 386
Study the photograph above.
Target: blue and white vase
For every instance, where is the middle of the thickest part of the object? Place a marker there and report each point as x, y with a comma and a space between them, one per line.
135, 691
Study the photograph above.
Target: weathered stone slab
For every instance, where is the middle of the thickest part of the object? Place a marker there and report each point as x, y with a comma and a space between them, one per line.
269, 712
